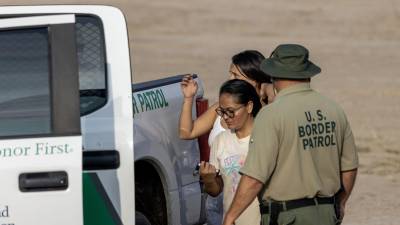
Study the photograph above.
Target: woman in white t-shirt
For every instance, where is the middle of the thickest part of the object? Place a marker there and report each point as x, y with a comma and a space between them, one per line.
238, 105
244, 66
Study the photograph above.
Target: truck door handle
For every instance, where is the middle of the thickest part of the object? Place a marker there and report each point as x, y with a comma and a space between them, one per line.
100, 160
43, 181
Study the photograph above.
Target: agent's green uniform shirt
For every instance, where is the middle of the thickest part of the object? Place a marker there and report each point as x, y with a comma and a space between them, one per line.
299, 145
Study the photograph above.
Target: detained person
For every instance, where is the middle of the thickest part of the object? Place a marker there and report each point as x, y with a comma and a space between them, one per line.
238, 105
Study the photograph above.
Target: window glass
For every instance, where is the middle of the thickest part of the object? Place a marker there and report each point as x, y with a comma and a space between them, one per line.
25, 70
24, 82
92, 66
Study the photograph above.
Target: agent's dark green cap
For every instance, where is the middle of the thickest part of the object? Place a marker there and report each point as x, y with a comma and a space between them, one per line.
289, 61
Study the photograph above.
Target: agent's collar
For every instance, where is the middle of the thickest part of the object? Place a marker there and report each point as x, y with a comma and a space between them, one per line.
294, 89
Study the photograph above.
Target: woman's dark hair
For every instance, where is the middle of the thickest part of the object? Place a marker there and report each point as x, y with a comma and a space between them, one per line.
249, 62
243, 92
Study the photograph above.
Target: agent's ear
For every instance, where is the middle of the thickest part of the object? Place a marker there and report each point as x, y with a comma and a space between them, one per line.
249, 107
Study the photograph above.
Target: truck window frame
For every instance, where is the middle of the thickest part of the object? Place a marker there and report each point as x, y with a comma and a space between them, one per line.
62, 122
57, 127
78, 16
104, 58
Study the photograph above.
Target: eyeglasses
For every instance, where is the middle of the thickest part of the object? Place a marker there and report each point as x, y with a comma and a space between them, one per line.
228, 112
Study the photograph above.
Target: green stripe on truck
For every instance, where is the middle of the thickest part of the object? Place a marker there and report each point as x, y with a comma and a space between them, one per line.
97, 207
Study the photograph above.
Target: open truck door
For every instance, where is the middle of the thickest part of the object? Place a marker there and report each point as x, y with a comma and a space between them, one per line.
40, 134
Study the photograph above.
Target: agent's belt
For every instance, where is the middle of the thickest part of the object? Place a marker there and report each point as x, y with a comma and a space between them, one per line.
274, 207
294, 204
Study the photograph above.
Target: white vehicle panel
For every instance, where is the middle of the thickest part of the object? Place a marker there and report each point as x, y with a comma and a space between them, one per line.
41, 155
37, 20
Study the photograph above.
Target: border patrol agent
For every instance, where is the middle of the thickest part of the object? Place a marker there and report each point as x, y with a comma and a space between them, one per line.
301, 152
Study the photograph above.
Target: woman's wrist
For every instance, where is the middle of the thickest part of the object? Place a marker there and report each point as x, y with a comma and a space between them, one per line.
188, 99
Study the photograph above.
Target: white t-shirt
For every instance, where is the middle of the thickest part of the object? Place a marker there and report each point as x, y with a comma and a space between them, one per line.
217, 129
228, 154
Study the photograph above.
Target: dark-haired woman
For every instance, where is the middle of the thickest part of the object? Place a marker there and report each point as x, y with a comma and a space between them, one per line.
244, 66
238, 105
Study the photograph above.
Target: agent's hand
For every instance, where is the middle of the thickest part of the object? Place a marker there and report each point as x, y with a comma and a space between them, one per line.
189, 86
207, 172
342, 210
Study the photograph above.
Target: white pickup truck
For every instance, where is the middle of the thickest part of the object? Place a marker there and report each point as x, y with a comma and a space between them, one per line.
79, 144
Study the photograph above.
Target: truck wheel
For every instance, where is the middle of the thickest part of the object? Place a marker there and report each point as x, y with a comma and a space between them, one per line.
151, 202
149, 194
141, 219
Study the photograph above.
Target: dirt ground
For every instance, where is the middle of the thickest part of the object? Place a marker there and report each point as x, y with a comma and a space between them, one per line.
356, 43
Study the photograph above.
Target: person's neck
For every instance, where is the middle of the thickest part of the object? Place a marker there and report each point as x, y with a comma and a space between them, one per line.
282, 84
246, 129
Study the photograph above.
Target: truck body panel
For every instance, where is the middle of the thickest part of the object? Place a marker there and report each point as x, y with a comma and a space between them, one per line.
157, 142
129, 133
40, 141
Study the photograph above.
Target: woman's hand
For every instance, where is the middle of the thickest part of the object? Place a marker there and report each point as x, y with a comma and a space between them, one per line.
189, 86
213, 183
207, 172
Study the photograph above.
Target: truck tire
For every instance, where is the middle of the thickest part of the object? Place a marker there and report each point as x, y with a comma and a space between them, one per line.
141, 219
149, 192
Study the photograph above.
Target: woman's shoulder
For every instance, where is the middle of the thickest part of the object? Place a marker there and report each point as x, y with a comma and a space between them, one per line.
216, 130
224, 135
222, 142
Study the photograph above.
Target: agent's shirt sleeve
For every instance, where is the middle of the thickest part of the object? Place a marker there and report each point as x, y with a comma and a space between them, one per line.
349, 157
263, 147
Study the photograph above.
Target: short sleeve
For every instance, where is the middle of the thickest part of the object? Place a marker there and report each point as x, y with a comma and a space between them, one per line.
349, 157
217, 129
263, 147
214, 150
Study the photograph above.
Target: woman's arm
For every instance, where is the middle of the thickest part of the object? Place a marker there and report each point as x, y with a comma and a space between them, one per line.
213, 183
189, 129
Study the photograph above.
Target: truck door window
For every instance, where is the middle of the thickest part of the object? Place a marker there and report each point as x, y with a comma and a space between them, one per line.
24, 82
92, 63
